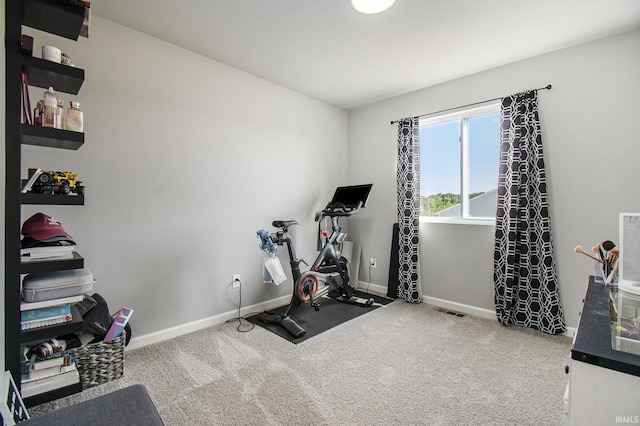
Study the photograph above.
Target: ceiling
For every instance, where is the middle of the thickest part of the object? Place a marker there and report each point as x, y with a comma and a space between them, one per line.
326, 50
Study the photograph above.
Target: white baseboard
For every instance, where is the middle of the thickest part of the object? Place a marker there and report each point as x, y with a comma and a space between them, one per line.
442, 303
372, 288
170, 333
460, 307
571, 332
473, 310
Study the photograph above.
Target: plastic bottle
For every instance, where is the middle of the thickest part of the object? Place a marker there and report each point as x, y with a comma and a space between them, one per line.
60, 115
74, 117
50, 112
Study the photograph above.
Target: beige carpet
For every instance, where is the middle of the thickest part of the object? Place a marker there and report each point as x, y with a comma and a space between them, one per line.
403, 364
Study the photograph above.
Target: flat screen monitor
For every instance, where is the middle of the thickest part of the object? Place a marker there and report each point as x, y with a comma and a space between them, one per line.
351, 195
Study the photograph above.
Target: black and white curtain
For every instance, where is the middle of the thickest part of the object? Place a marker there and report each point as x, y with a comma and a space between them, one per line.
526, 282
410, 288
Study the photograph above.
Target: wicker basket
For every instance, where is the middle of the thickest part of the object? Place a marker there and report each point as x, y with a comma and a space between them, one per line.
100, 362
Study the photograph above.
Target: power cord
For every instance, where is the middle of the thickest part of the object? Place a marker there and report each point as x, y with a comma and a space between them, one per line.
239, 318
369, 278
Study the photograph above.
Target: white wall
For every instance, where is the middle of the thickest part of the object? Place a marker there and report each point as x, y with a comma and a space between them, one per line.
184, 160
181, 152
590, 137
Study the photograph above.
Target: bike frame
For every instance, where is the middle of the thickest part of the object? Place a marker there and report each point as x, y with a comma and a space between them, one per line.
326, 263
326, 269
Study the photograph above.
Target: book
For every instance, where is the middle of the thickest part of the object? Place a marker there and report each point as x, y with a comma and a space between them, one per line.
45, 313
28, 325
120, 321
55, 360
48, 252
52, 302
84, 30
34, 375
32, 179
27, 116
25, 361
47, 384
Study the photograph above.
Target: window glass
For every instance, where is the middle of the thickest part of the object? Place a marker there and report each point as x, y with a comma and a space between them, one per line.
459, 156
484, 156
439, 167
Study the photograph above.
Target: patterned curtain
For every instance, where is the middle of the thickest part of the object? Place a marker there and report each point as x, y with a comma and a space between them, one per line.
410, 288
526, 283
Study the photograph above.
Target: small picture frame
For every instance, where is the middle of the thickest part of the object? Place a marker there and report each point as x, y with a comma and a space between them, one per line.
12, 408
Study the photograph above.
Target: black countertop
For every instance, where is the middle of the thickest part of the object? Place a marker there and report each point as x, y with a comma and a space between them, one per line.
592, 343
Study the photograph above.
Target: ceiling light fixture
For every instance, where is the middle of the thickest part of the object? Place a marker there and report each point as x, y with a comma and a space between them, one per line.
370, 7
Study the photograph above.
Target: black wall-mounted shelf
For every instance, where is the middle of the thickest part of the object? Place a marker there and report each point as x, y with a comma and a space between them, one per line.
52, 138
45, 74
35, 267
32, 401
62, 18
52, 199
59, 17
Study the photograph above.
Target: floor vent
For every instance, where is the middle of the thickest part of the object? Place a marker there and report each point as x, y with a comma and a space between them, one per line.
450, 312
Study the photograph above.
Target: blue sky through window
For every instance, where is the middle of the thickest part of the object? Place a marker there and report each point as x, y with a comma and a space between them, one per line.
440, 156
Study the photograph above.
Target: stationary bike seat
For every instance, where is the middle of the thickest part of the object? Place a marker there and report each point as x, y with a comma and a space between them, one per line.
284, 224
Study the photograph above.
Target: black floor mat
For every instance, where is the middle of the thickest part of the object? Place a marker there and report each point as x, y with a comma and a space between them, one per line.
331, 314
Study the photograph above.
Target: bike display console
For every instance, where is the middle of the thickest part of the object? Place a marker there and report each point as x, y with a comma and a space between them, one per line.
351, 196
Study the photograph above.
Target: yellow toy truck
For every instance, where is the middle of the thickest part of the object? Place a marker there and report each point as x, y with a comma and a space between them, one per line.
53, 182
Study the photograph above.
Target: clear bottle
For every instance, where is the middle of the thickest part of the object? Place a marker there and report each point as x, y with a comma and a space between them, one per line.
74, 117
60, 115
50, 110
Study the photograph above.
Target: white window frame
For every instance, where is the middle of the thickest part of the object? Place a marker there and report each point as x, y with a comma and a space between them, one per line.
462, 115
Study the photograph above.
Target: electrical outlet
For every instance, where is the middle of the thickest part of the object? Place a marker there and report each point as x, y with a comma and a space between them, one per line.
235, 281
373, 262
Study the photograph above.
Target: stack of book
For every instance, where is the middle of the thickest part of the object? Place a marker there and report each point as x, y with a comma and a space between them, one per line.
47, 374
48, 312
52, 252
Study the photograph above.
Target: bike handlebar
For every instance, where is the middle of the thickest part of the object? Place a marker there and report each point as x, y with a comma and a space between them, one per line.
339, 209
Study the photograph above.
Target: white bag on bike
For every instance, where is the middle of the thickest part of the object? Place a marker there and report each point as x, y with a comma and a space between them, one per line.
274, 268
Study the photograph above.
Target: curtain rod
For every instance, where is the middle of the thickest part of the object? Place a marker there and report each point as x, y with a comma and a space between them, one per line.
547, 87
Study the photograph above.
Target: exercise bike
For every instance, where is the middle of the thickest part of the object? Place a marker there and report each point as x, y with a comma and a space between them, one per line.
329, 273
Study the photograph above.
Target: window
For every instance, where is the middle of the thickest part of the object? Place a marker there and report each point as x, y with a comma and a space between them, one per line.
459, 156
